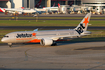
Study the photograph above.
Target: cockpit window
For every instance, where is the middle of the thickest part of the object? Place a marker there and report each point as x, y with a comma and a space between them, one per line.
6, 36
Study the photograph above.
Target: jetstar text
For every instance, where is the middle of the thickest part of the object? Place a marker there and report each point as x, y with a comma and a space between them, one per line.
23, 35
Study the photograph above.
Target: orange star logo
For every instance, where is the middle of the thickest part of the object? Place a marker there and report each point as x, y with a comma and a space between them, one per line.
86, 21
34, 34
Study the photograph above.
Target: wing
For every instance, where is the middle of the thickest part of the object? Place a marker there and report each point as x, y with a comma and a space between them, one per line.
66, 36
55, 38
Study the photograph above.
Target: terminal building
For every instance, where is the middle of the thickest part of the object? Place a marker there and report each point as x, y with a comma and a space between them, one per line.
97, 5
93, 3
32, 3
48, 3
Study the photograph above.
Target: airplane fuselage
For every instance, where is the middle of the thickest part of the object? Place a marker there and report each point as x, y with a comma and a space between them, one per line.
36, 36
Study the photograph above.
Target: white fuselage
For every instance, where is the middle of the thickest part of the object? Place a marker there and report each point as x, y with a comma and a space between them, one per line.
51, 9
27, 36
28, 11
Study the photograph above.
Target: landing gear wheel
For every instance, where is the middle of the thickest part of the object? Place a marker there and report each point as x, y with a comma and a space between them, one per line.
10, 44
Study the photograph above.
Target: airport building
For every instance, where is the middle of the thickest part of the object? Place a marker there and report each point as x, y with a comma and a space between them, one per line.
32, 3
5, 3
97, 5
48, 3
94, 3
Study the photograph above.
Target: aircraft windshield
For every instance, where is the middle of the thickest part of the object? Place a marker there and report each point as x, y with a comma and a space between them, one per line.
6, 36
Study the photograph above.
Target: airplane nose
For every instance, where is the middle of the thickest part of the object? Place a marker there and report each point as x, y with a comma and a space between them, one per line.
6, 40
2, 40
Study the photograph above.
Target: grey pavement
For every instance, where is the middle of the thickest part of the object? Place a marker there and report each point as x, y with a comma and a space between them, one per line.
67, 56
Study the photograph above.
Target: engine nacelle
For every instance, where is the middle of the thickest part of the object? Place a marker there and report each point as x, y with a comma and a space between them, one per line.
46, 42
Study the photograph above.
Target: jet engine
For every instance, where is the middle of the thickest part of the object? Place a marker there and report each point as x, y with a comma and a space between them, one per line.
46, 42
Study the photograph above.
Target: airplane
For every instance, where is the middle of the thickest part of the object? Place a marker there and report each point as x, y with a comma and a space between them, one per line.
48, 37
20, 11
38, 4
30, 11
11, 10
52, 9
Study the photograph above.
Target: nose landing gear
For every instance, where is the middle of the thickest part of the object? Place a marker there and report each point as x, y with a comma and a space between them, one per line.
10, 44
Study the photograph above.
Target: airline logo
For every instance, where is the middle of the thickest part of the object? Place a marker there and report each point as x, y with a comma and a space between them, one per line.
71, 3
37, 5
54, 4
58, 5
22, 7
2, 10
86, 21
80, 29
26, 35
